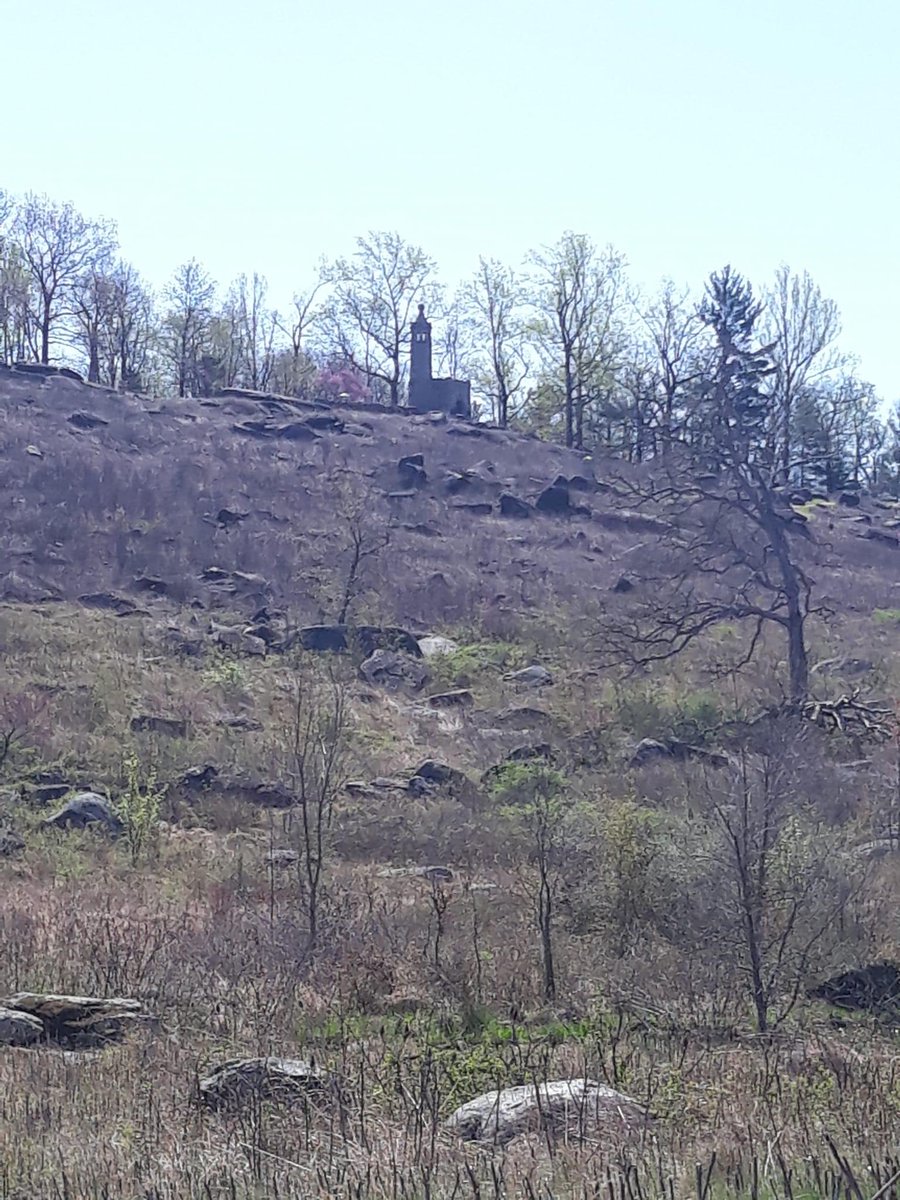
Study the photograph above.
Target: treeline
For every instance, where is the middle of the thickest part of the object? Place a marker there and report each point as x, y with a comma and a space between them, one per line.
562, 344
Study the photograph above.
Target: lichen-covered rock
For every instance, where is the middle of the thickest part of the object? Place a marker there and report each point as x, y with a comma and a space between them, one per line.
87, 808
569, 1108
284, 1080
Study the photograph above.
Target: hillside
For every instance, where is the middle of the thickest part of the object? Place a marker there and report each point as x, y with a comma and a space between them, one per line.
337, 654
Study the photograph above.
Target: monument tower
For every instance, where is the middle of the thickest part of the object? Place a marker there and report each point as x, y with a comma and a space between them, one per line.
427, 394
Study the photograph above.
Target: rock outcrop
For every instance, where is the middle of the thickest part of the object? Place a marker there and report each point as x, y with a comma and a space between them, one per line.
567, 1108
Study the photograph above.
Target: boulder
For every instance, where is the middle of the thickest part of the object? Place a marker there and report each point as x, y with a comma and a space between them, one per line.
522, 718
568, 1109
19, 1028
531, 676
324, 639
282, 1080
873, 988
649, 749
337, 639
87, 808
152, 584
108, 601
623, 585
296, 431
435, 645
48, 793
554, 499
152, 723
195, 779
458, 698
512, 506
229, 517
475, 508
411, 471
79, 1019
441, 775
849, 499
436, 875
87, 420
391, 670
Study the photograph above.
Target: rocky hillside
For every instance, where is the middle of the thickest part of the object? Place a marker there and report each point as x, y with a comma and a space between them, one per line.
246, 500
338, 859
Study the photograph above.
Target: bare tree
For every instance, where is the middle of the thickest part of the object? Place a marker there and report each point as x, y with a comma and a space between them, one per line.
374, 293
802, 326
494, 298
675, 337
537, 807
316, 762
784, 883
294, 367
725, 540
59, 247
187, 325
579, 296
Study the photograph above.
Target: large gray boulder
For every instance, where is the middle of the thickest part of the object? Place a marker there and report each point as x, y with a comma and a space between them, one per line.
89, 1020
19, 1029
284, 1080
392, 670
569, 1108
87, 808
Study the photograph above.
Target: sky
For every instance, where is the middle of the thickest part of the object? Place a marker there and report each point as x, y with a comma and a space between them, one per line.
262, 135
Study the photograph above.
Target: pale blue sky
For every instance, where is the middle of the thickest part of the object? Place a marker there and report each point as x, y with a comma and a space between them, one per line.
687, 133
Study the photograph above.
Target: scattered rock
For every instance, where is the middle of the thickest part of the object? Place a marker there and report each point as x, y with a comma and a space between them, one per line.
337, 639
48, 793
196, 778
873, 988
554, 499
568, 1109
512, 506
622, 585
475, 508
87, 808
532, 676
458, 698
522, 718
881, 535
529, 753
435, 645
649, 749
34, 451
108, 601
282, 1080
441, 775
168, 726
151, 583
411, 471
389, 669
296, 431
77, 1020
86, 420
229, 517
436, 875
